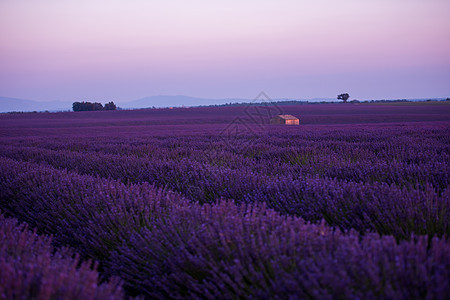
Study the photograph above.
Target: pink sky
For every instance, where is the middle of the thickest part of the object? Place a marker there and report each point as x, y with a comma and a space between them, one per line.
124, 50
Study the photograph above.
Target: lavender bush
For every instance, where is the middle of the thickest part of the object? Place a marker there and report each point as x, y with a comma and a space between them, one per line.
166, 246
347, 204
224, 252
30, 268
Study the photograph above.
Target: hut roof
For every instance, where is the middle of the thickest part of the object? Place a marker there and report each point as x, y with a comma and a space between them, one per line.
287, 117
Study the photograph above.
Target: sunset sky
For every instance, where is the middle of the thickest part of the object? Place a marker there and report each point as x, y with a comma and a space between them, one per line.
125, 50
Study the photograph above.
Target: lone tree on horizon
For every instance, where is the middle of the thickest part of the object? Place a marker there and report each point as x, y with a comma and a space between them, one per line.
343, 97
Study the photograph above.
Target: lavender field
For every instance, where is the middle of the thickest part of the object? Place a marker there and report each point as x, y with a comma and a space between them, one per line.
212, 203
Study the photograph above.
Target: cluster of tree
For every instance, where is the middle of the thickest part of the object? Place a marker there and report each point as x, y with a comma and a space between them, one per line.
90, 106
110, 106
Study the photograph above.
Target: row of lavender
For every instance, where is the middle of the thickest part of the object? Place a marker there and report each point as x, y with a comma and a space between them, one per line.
164, 245
393, 181
30, 268
403, 155
308, 114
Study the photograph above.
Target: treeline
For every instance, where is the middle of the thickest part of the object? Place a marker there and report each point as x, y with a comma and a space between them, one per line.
89, 106
304, 102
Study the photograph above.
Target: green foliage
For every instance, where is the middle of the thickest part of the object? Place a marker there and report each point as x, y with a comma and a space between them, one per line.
92, 106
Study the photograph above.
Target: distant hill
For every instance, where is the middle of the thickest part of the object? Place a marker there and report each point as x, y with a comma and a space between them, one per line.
8, 104
180, 100
14, 104
168, 101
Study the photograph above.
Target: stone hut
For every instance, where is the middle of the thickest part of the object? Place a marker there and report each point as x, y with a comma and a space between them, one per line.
285, 120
